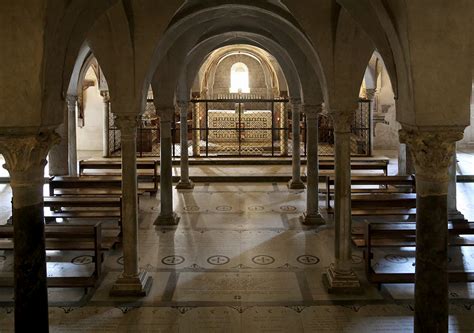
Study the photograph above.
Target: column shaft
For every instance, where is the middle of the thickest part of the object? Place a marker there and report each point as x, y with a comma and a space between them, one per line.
284, 129
71, 106
432, 152
58, 155
132, 282
196, 131
167, 216
25, 158
184, 182
453, 213
340, 278
105, 134
312, 215
295, 182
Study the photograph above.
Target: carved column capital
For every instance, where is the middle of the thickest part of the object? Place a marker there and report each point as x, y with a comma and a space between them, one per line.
342, 120
182, 105
127, 124
370, 93
312, 111
25, 156
71, 101
166, 113
432, 152
295, 101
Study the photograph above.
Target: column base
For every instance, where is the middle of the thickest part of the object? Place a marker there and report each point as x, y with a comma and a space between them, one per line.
312, 219
337, 282
296, 185
189, 185
172, 219
138, 286
456, 216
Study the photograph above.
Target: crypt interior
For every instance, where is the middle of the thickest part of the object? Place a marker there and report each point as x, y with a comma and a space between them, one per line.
237, 166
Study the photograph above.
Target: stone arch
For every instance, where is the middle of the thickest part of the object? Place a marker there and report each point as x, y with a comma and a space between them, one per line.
189, 30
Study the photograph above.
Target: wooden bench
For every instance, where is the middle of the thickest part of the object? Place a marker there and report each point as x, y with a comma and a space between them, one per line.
396, 235
385, 184
378, 165
382, 204
66, 238
94, 185
83, 207
107, 166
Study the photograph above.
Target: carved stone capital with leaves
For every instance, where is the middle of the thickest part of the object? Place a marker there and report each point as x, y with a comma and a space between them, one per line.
432, 152
127, 124
25, 156
342, 120
312, 111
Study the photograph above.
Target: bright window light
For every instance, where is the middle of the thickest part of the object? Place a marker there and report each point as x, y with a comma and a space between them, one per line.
239, 78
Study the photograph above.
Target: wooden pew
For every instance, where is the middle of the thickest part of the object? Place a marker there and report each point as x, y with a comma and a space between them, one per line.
66, 238
379, 165
94, 185
83, 207
382, 204
385, 184
396, 235
143, 167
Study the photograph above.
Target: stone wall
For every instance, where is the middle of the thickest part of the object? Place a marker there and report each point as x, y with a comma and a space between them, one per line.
257, 82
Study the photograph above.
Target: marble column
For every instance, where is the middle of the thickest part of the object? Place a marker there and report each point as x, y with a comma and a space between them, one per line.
284, 129
132, 281
184, 183
71, 106
296, 183
105, 134
371, 96
312, 215
432, 152
340, 277
58, 155
196, 131
25, 157
405, 161
453, 213
167, 215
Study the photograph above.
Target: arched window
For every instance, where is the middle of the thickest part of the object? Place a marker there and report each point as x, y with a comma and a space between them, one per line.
239, 78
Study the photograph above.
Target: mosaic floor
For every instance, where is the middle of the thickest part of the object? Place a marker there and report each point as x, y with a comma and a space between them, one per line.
239, 261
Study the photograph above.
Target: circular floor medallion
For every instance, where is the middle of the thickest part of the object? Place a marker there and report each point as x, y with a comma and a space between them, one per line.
396, 258
82, 260
218, 260
287, 208
263, 260
256, 208
191, 208
172, 260
356, 259
224, 208
307, 259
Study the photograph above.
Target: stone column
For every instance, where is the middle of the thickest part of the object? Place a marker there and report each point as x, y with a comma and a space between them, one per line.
132, 282
58, 155
105, 135
184, 183
167, 215
25, 157
284, 130
453, 213
295, 182
432, 152
340, 278
196, 132
71, 106
312, 216
405, 161
371, 96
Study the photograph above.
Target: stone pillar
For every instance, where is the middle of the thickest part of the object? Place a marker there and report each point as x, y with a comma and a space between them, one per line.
295, 182
25, 157
312, 216
284, 129
453, 213
432, 152
371, 96
405, 161
105, 135
184, 183
71, 107
58, 155
167, 215
132, 282
340, 278
196, 132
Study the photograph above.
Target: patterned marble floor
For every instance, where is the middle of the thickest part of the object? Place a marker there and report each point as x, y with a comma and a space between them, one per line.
239, 261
